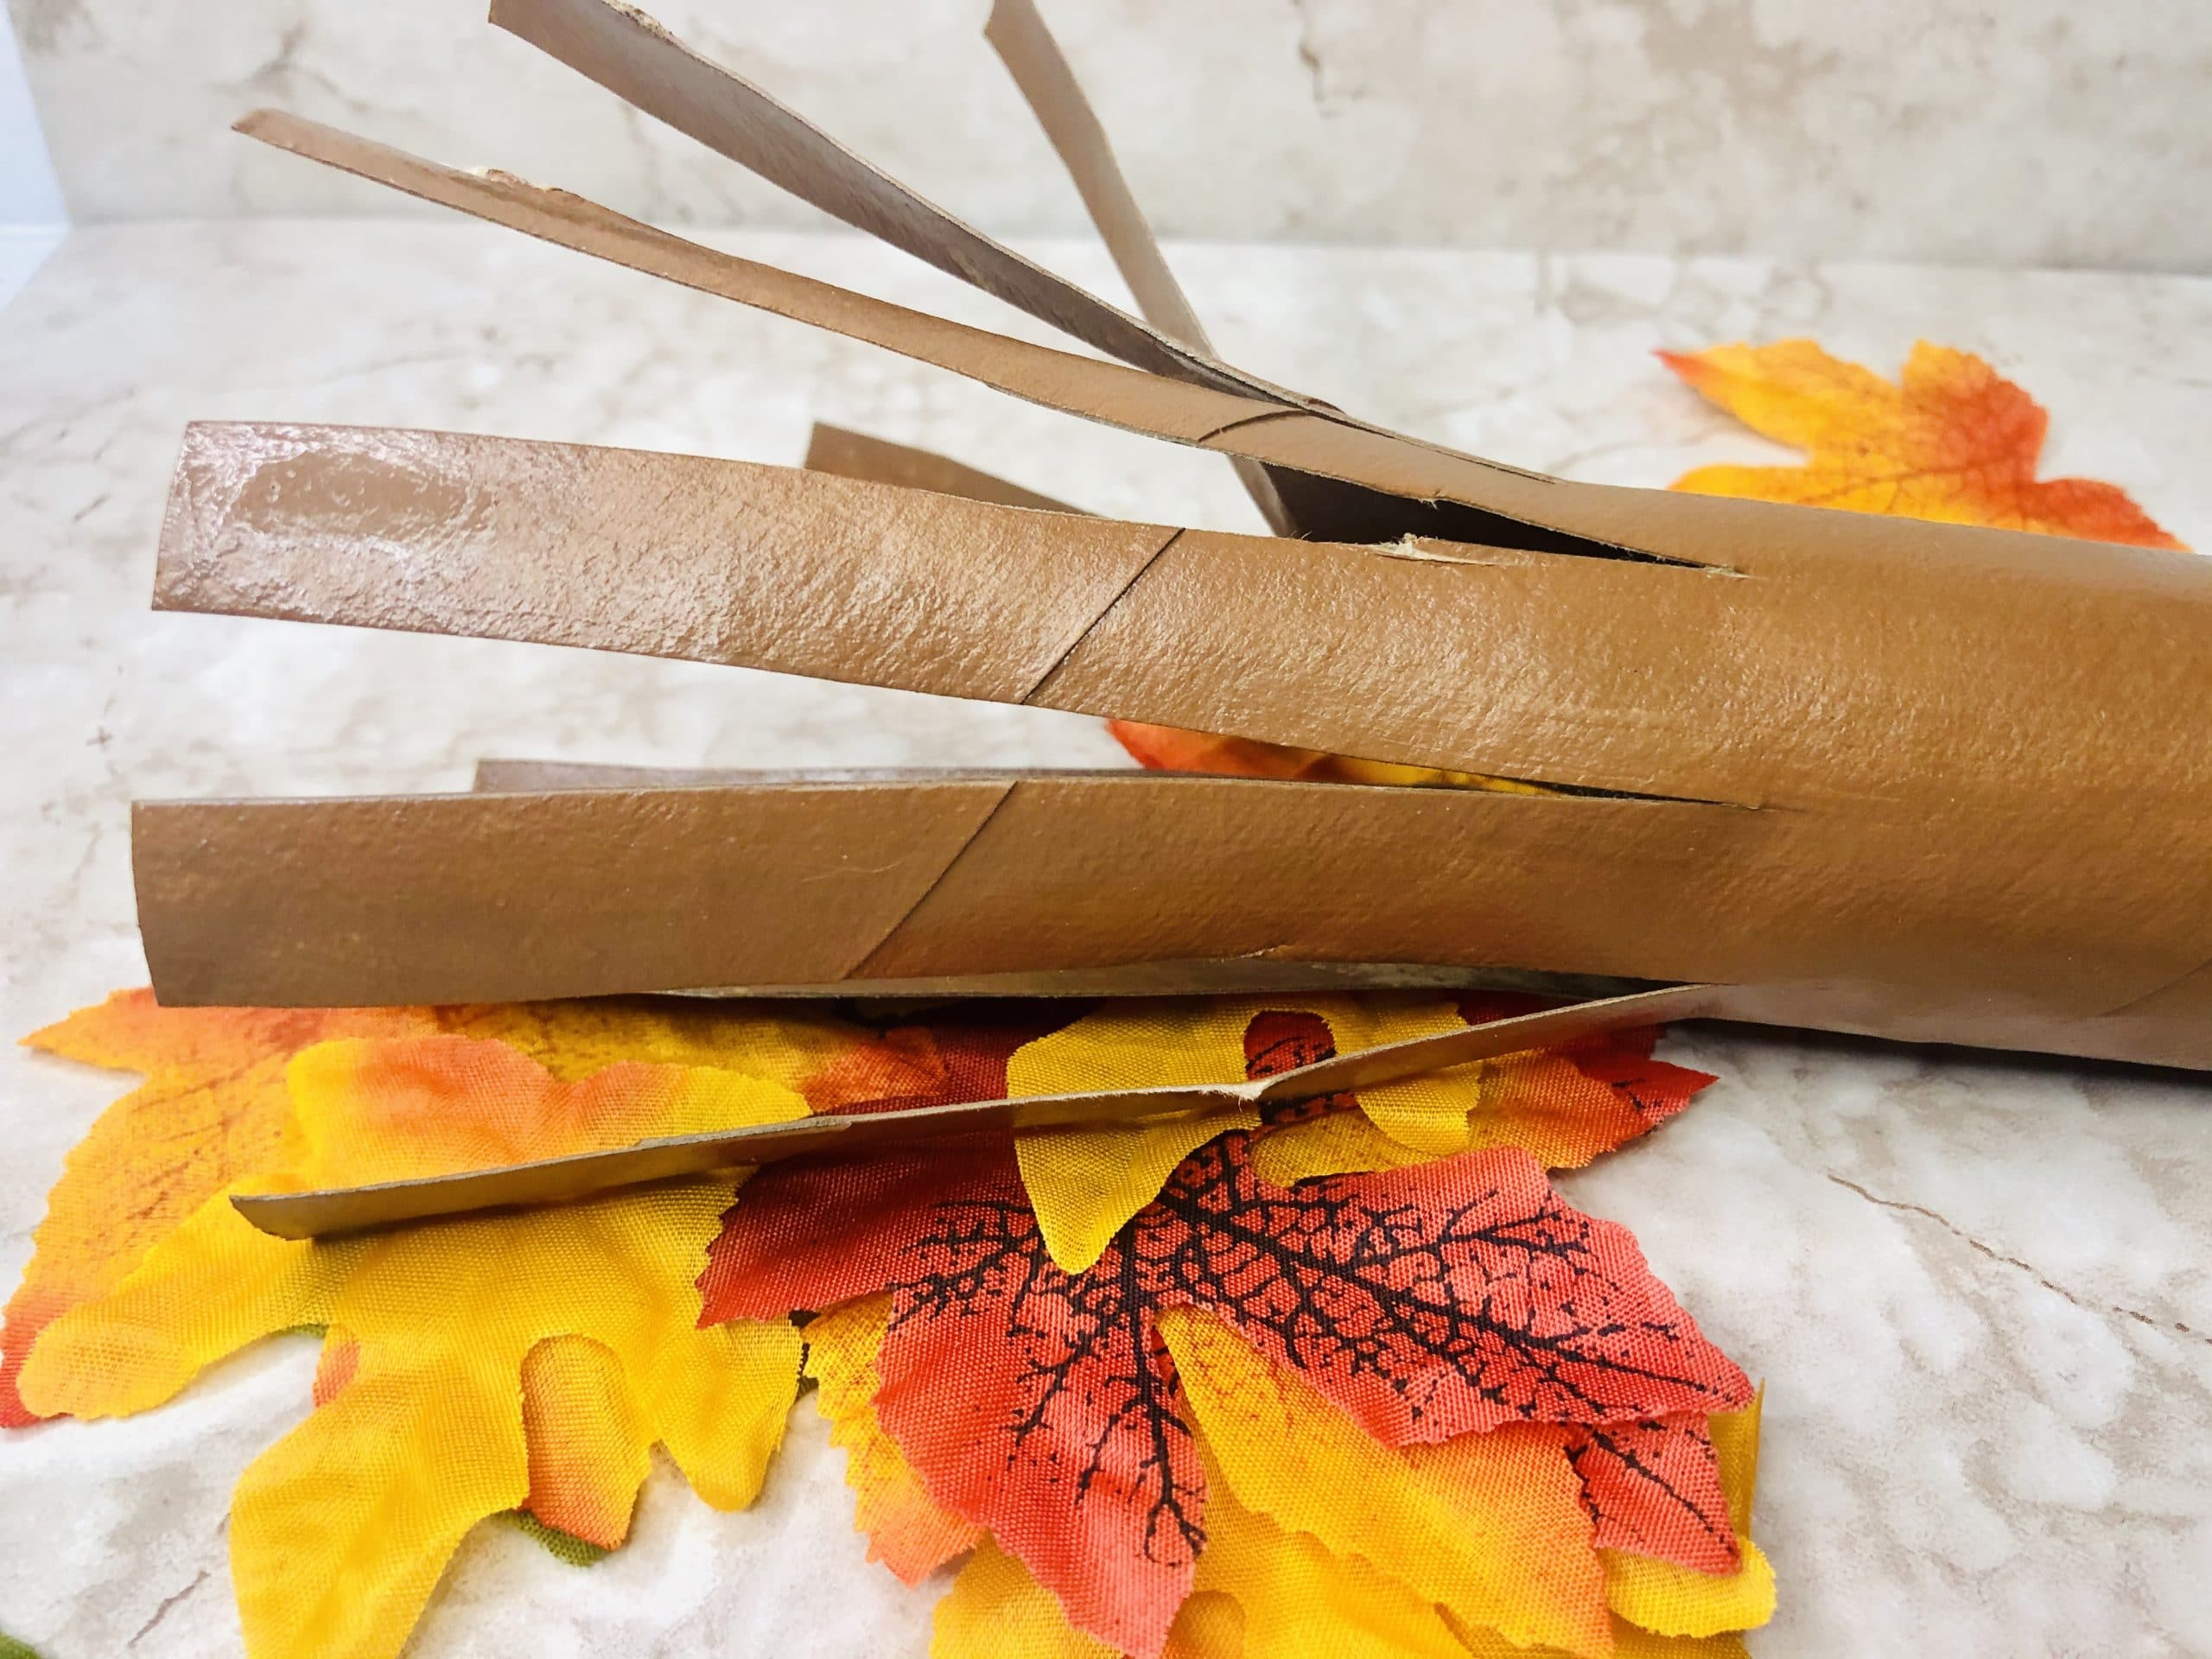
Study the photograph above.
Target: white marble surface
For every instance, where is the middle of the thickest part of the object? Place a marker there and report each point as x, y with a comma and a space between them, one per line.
2001, 132
1980, 1289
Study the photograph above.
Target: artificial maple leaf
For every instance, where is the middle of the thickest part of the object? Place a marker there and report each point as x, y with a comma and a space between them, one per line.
573, 1039
214, 1106
1487, 1528
1953, 441
960, 1053
1565, 1105
1427, 1302
1436, 1299
1654, 1489
437, 1332
1085, 1184
1262, 1591
906, 1531
1170, 748
1354, 1548
1669, 1599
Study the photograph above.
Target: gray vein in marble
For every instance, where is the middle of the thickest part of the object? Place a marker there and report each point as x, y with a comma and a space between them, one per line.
1995, 1255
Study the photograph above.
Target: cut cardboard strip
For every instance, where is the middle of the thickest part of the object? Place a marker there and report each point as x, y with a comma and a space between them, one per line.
316, 1214
1455, 497
1109, 392
1405, 487
1041, 73
626, 883
1032, 57
640, 62
878, 461
1645, 681
502, 776
621, 549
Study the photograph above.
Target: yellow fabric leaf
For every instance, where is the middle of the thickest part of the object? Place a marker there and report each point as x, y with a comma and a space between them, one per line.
1209, 1625
1632, 1643
575, 1040
1736, 1446
1300, 1600
906, 1531
213, 1107
718, 1398
1671, 1600
1564, 1106
1629, 1643
994, 1609
1334, 1143
213, 1286
1491, 1527
1086, 1184
340, 1530
428, 1105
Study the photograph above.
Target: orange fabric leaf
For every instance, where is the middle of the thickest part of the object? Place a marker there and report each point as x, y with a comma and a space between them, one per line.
214, 1106
1169, 749
1565, 1105
1953, 440
589, 1447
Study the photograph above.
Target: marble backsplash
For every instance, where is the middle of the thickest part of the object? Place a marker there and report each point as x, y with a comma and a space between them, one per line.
1988, 132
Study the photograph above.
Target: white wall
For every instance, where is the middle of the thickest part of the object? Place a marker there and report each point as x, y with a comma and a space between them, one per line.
1997, 132
32, 222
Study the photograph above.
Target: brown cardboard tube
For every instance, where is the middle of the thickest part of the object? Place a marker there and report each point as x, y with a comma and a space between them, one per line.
1943, 786
1109, 883
1875, 775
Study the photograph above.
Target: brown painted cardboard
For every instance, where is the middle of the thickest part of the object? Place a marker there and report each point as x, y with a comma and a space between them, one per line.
1080, 884
878, 461
1017, 35
1874, 775
313, 1214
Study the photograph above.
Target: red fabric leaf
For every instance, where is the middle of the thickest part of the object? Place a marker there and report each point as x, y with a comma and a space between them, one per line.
1037, 1405
1436, 1299
961, 1054
1654, 1489
1427, 1301
804, 1235
1043, 1406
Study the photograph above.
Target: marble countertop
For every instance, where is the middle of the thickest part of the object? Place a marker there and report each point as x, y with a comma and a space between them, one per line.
1979, 1288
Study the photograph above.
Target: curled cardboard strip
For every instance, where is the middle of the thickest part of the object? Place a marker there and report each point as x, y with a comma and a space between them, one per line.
1876, 775
310, 1214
